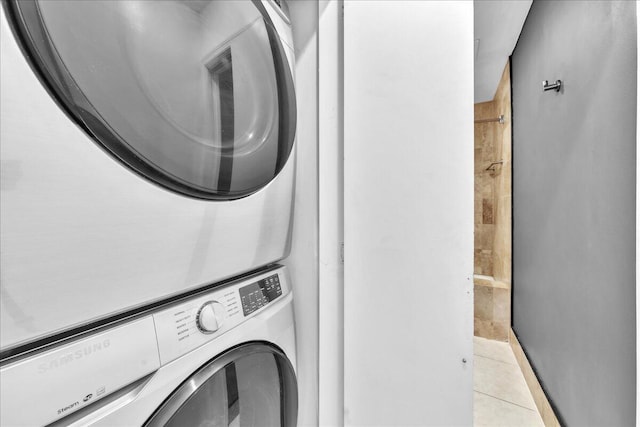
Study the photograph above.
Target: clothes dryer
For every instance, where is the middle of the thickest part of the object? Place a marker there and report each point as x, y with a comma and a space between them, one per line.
221, 357
147, 150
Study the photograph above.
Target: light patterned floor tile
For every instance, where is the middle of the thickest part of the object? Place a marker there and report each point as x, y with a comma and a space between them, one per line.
491, 349
501, 380
489, 411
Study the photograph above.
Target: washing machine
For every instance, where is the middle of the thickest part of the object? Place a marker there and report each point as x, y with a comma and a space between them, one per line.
147, 150
223, 356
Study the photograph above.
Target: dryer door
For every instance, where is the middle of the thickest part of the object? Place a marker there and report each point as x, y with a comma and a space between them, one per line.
251, 385
196, 95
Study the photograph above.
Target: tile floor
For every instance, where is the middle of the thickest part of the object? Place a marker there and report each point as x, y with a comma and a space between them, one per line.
500, 394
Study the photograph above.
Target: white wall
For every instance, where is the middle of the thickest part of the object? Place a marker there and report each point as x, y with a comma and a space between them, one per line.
303, 261
408, 212
330, 153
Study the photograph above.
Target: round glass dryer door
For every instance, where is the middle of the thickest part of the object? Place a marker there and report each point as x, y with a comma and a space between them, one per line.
251, 385
196, 95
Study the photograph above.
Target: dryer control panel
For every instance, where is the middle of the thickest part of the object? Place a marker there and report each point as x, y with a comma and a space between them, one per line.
190, 324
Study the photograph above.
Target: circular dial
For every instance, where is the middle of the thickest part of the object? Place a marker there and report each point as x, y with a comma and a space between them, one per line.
210, 317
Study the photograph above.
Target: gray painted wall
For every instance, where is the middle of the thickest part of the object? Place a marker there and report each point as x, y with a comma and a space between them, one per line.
574, 206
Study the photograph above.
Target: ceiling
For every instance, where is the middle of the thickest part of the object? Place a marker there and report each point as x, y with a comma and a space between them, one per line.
497, 26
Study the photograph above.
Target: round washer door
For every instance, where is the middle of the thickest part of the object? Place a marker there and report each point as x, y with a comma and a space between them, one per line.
195, 95
251, 385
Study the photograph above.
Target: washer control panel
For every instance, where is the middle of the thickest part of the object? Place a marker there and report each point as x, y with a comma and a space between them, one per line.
192, 323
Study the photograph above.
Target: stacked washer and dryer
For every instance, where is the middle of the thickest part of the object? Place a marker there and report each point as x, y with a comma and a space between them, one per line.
147, 153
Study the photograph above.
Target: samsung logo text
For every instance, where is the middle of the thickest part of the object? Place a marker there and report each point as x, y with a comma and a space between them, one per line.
69, 357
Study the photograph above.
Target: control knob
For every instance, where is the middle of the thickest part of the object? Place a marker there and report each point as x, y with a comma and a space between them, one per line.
210, 317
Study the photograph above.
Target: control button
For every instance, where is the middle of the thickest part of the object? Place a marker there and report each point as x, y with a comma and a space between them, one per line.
210, 317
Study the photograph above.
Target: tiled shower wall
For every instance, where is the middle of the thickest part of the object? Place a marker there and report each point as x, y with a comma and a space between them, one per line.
502, 194
492, 222
492, 252
484, 203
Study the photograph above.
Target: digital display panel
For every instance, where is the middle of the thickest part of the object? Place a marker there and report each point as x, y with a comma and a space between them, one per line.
260, 293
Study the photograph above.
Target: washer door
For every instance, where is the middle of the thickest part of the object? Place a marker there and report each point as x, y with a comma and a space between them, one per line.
196, 96
251, 385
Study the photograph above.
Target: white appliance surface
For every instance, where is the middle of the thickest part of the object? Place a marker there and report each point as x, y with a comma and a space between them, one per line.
122, 375
83, 238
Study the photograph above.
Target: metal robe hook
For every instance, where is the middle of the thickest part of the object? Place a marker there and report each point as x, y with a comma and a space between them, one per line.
553, 86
